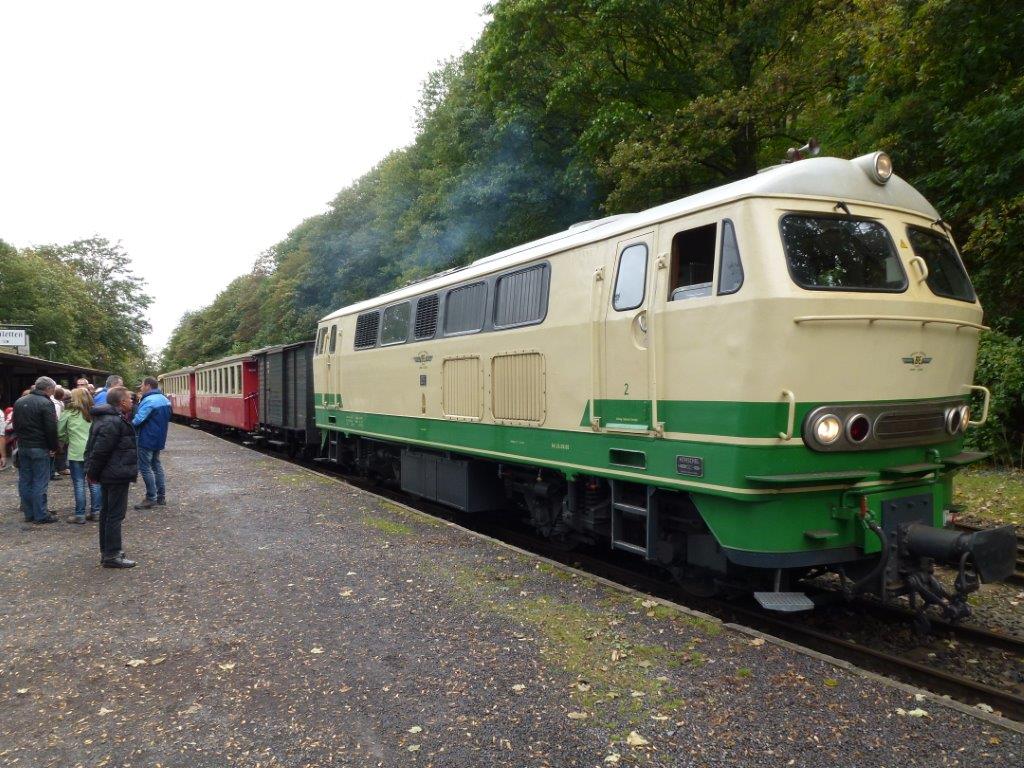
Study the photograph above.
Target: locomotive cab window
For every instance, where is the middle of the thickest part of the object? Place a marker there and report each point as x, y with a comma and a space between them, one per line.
334, 339
631, 278
321, 335
693, 263
946, 274
841, 253
395, 325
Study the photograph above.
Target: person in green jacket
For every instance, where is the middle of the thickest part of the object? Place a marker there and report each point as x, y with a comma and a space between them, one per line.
73, 429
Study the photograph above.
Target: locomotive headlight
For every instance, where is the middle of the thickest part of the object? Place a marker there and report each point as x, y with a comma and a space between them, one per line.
827, 429
965, 417
877, 165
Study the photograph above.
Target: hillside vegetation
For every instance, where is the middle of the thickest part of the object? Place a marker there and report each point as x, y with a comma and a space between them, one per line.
572, 109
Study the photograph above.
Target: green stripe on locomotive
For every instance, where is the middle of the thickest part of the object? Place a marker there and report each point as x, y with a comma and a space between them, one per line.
745, 515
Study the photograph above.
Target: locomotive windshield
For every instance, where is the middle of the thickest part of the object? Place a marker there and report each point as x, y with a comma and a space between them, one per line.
946, 274
841, 254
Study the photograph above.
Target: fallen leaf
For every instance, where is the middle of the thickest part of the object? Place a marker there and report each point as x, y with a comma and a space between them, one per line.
518, 687
757, 641
616, 654
104, 711
636, 740
644, 664
415, 729
346, 593
831, 682
583, 687
577, 715
659, 718
136, 663
613, 758
413, 748
152, 639
649, 603
22, 691
228, 666
984, 707
637, 694
158, 660
351, 573
911, 712
317, 650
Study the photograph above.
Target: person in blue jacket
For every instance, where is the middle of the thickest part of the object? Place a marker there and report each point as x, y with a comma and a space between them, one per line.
151, 420
100, 397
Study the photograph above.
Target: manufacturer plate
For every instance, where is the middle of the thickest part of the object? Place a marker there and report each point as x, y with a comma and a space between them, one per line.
693, 466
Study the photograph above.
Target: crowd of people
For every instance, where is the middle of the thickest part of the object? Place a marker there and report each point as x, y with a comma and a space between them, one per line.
102, 439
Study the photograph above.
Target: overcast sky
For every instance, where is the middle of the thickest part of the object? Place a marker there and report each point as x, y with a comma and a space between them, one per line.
199, 133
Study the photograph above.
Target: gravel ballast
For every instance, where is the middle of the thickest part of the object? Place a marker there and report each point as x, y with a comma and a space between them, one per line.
280, 618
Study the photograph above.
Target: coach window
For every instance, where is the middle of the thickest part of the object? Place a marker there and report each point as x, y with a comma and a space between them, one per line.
239, 367
693, 263
631, 278
394, 327
464, 309
234, 385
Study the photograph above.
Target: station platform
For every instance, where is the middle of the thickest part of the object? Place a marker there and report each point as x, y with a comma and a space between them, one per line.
281, 618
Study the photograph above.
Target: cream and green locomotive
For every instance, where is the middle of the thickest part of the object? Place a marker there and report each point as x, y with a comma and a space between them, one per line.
763, 381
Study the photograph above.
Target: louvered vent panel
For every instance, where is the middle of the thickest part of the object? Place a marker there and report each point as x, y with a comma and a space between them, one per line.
517, 386
462, 388
426, 317
366, 330
520, 297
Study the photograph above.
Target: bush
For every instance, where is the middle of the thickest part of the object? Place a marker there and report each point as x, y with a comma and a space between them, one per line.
1001, 369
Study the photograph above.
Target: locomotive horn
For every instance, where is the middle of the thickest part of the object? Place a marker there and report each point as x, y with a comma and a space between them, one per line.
811, 149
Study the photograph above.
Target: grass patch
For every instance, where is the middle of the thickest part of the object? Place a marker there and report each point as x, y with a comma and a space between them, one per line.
385, 525
991, 494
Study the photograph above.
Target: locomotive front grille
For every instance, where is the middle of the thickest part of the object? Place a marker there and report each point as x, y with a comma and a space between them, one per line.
898, 426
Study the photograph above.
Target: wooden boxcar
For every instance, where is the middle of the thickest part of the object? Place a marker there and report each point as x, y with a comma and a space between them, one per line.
180, 388
227, 392
286, 415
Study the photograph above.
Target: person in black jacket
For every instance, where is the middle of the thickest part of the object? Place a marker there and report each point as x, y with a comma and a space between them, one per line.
112, 460
35, 421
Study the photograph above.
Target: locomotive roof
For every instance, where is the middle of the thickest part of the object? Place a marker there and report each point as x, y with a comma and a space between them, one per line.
831, 178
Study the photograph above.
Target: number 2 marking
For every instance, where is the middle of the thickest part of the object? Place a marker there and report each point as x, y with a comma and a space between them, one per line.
627, 389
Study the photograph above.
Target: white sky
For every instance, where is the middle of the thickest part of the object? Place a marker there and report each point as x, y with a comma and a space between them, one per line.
199, 133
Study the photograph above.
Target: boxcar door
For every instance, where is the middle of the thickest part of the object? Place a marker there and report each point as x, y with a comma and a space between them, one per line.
624, 403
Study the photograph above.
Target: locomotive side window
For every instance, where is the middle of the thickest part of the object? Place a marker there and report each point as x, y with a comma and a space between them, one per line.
520, 297
334, 339
832, 253
730, 267
631, 279
395, 326
946, 274
464, 309
320, 340
366, 330
426, 317
693, 263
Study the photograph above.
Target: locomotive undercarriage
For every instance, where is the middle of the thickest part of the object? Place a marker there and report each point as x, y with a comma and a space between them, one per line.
667, 530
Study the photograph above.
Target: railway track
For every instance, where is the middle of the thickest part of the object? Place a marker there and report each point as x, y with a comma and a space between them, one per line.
964, 689
1018, 576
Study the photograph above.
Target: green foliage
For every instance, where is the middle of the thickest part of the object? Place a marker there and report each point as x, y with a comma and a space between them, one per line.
569, 109
1001, 369
84, 297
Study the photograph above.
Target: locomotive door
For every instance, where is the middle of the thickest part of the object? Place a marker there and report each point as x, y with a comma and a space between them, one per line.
624, 403
334, 364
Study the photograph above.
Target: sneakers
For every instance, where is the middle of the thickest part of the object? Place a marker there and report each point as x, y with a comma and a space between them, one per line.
45, 520
74, 520
147, 504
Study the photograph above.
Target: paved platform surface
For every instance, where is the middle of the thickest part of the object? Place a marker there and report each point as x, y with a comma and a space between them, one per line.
278, 618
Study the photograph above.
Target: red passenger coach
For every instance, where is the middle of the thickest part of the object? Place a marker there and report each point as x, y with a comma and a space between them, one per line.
180, 388
227, 392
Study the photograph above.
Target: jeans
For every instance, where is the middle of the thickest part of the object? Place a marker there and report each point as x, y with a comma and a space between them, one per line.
115, 505
79, 482
33, 480
152, 472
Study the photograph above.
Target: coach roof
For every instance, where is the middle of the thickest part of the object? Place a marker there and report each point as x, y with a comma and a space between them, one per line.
831, 178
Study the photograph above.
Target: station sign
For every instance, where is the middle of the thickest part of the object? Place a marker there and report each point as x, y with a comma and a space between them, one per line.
12, 338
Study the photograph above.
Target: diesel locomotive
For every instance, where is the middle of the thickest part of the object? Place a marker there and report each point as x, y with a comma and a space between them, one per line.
754, 385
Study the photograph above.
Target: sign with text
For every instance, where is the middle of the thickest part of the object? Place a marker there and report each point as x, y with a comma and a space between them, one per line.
12, 338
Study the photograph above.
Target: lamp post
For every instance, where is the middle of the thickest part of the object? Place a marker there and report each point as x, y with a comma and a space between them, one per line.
49, 349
